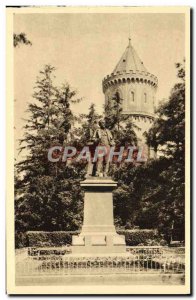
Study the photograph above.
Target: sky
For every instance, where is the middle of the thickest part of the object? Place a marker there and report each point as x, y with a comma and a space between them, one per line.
84, 48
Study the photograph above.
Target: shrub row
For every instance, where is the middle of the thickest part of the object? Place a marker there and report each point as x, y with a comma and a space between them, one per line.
141, 237
135, 237
45, 239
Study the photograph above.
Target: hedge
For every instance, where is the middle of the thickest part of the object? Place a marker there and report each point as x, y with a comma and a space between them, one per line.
135, 237
145, 237
54, 238
20, 240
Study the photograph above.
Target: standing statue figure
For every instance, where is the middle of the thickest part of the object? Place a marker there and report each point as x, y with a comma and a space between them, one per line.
103, 137
91, 167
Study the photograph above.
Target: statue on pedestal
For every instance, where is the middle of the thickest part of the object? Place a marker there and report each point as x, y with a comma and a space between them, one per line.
98, 234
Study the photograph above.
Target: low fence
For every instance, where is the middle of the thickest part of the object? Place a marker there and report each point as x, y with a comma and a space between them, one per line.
53, 261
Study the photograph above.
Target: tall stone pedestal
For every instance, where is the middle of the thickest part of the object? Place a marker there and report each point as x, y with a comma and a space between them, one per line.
98, 233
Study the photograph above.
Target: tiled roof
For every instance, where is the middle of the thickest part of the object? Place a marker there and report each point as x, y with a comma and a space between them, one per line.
130, 61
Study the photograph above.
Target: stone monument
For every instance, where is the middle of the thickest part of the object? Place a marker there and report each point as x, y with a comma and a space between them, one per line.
98, 234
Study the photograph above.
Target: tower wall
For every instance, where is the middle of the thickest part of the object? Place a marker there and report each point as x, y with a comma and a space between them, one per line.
138, 97
138, 93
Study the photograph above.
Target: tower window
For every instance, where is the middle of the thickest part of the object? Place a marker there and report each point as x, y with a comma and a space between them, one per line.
145, 98
132, 97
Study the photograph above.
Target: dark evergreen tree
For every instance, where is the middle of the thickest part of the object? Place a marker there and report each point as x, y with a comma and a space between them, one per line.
48, 194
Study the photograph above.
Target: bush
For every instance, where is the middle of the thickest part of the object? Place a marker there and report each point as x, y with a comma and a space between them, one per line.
135, 237
49, 239
142, 237
20, 240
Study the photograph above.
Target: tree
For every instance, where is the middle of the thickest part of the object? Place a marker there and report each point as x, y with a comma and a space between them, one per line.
89, 124
20, 38
152, 195
169, 133
120, 124
48, 194
113, 112
168, 129
123, 131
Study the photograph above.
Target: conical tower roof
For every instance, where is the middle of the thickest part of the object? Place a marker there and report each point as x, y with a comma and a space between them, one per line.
130, 61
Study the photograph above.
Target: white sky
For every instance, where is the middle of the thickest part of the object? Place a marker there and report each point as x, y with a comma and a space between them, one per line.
86, 47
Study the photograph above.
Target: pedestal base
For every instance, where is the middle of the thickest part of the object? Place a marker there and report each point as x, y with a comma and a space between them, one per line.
98, 243
98, 232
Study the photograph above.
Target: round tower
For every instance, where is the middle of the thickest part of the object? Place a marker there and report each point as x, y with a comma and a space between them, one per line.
136, 87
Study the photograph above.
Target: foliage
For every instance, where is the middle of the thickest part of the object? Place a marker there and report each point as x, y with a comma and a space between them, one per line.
169, 133
89, 125
168, 129
152, 195
138, 237
20, 240
48, 194
120, 125
20, 38
46, 239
